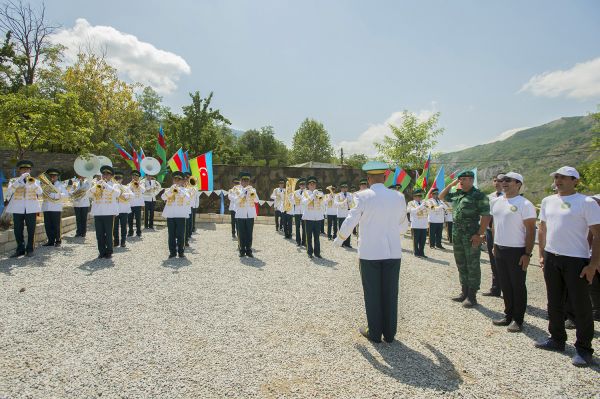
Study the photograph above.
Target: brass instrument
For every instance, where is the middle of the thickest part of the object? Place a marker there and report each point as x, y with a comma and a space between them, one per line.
290, 187
48, 188
193, 182
30, 179
78, 191
319, 194
136, 183
154, 189
330, 189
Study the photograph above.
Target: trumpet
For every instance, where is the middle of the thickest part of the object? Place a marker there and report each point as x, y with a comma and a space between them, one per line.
30, 179
192, 181
136, 184
319, 194
330, 189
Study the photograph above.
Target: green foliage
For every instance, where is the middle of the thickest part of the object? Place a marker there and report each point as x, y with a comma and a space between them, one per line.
356, 160
311, 143
590, 171
263, 148
411, 142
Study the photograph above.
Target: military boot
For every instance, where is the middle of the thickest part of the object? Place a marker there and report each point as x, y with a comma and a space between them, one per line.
462, 296
471, 299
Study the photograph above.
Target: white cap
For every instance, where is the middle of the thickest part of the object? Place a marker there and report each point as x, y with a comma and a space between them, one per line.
512, 175
566, 171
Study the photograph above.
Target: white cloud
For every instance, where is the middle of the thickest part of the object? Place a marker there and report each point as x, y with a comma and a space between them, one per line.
365, 143
581, 82
506, 134
135, 60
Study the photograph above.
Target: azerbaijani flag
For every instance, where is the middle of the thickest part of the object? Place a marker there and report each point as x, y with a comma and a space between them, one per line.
186, 158
450, 178
201, 168
439, 182
399, 177
141, 156
423, 181
176, 161
124, 154
161, 152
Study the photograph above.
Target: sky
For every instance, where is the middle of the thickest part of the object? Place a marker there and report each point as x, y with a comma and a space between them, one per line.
489, 68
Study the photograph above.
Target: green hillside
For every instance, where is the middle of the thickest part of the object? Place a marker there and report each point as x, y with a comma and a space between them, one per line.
533, 152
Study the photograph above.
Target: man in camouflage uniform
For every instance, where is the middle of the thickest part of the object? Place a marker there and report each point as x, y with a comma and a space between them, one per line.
471, 214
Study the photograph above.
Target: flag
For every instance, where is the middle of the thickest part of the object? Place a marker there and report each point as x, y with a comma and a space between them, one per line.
439, 182
2, 179
124, 154
135, 156
399, 177
475, 178
222, 207
423, 181
176, 161
202, 169
450, 178
186, 159
141, 156
161, 153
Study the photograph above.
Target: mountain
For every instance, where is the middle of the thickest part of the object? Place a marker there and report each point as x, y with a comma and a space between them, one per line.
535, 153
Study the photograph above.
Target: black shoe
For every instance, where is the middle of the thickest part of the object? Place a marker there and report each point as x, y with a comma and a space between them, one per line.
550, 344
491, 293
249, 254
570, 324
364, 331
388, 340
582, 359
440, 247
462, 296
182, 255
187, 244
101, 256
17, 254
29, 254
502, 322
48, 244
108, 256
514, 327
139, 235
57, 244
298, 245
242, 254
471, 300
172, 256
123, 245
116, 243
130, 234
319, 256
310, 256
424, 256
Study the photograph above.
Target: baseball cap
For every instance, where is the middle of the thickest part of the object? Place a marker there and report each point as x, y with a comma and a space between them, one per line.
512, 175
566, 171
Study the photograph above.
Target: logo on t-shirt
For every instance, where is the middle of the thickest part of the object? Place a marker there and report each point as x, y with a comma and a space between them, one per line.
513, 208
565, 205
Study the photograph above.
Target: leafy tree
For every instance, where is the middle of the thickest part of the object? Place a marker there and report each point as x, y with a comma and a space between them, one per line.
590, 172
356, 160
263, 148
311, 143
197, 131
410, 142
10, 80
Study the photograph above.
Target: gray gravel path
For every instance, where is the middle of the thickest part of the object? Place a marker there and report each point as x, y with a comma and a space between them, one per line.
280, 325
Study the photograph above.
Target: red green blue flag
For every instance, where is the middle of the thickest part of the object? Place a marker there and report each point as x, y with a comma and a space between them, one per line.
439, 182
423, 181
177, 161
124, 154
201, 168
398, 178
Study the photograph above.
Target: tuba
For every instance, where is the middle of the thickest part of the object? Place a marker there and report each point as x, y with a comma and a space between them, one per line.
290, 187
87, 165
150, 166
48, 188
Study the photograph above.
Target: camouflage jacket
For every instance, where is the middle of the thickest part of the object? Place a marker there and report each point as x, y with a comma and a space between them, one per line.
468, 206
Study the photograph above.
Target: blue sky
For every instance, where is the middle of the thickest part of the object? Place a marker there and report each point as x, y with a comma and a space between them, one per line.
355, 65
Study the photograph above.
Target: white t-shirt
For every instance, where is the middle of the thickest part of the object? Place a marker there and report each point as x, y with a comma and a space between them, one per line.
509, 214
567, 223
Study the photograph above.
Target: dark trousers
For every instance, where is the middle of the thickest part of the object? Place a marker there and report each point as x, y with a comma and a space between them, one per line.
149, 214
136, 212
245, 229
104, 231
380, 287
188, 227
435, 234
312, 234
561, 274
120, 224
322, 224
346, 242
278, 220
176, 231
512, 281
194, 213
287, 225
490, 247
300, 230
332, 223
449, 230
81, 214
52, 225
233, 224
419, 239
20, 220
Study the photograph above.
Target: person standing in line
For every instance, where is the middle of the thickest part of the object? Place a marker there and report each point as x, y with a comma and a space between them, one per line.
278, 196
313, 215
381, 216
52, 208
298, 212
331, 211
245, 214
495, 290
104, 208
514, 238
136, 202
81, 204
436, 214
151, 190
176, 211
124, 206
566, 218
233, 191
343, 202
418, 222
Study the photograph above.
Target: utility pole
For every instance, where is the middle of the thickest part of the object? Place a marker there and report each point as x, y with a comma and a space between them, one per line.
342, 156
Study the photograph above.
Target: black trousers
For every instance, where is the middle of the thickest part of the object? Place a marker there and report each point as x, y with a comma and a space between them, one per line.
120, 224
332, 223
346, 242
149, 214
194, 213
245, 229
81, 214
512, 281
300, 230
435, 234
233, 224
490, 247
20, 220
322, 224
188, 227
176, 231
380, 287
104, 231
312, 234
449, 230
419, 239
287, 225
278, 220
561, 274
52, 225
136, 212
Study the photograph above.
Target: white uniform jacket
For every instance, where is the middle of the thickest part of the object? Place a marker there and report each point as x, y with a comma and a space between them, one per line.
48, 206
177, 205
278, 196
233, 192
437, 210
244, 200
330, 208
418, 214
343, 202
296, 198
105, 198
124, 200
23, 197
137, 198
84, 201
151, 186
381, 216
313, 205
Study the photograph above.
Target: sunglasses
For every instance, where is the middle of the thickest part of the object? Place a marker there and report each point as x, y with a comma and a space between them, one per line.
508, 180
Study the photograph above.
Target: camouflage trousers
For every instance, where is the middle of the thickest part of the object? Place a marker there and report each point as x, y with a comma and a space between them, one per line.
467, 257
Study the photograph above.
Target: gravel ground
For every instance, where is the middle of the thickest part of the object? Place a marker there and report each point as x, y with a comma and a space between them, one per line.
279, 325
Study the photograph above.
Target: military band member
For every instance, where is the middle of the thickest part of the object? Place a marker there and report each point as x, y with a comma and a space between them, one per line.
23, 193
323, 213
124, 211
52, 207
418, 222
312, 200
278, 197
195, 206
381, 216
231, 195
343, 202
151, 190
287, 219
245, 211
192, 191
176, 211
436, 214
104, 208
79, 192
298, 210
136, 202
331, 212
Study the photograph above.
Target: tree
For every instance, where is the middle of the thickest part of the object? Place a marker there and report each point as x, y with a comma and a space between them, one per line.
411, 141
311, 143
356, 160
590, 171
263, 148
197, 126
